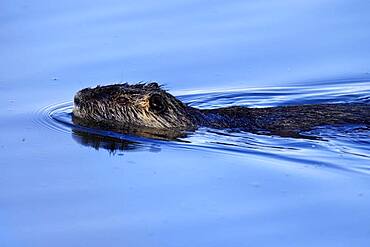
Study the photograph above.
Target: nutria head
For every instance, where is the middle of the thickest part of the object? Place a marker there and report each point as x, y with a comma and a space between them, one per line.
124, 106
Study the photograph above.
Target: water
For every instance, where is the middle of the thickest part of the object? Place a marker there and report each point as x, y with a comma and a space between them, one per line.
62, 187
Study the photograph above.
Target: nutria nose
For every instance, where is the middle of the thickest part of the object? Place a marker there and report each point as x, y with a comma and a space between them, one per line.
77, 100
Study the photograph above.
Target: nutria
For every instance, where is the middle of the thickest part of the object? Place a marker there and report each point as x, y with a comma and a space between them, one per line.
146, 109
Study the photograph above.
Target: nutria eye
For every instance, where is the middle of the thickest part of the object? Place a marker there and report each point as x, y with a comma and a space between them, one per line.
156, 103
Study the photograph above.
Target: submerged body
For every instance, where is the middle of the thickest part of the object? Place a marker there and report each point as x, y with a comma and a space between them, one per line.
146, 109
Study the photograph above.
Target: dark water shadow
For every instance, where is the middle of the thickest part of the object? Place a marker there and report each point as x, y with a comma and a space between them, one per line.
113, 145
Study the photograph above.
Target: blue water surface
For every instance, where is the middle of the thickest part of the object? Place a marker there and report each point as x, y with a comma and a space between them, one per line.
59, 187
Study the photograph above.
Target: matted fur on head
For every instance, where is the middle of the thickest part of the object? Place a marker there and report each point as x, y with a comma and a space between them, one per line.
131, 106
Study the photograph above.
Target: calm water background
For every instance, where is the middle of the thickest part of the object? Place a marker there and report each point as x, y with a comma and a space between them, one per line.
213, 188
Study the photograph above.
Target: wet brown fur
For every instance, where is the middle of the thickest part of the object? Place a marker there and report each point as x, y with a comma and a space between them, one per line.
147, 109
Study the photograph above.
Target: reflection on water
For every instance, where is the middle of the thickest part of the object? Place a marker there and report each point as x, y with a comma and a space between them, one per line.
103, 142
